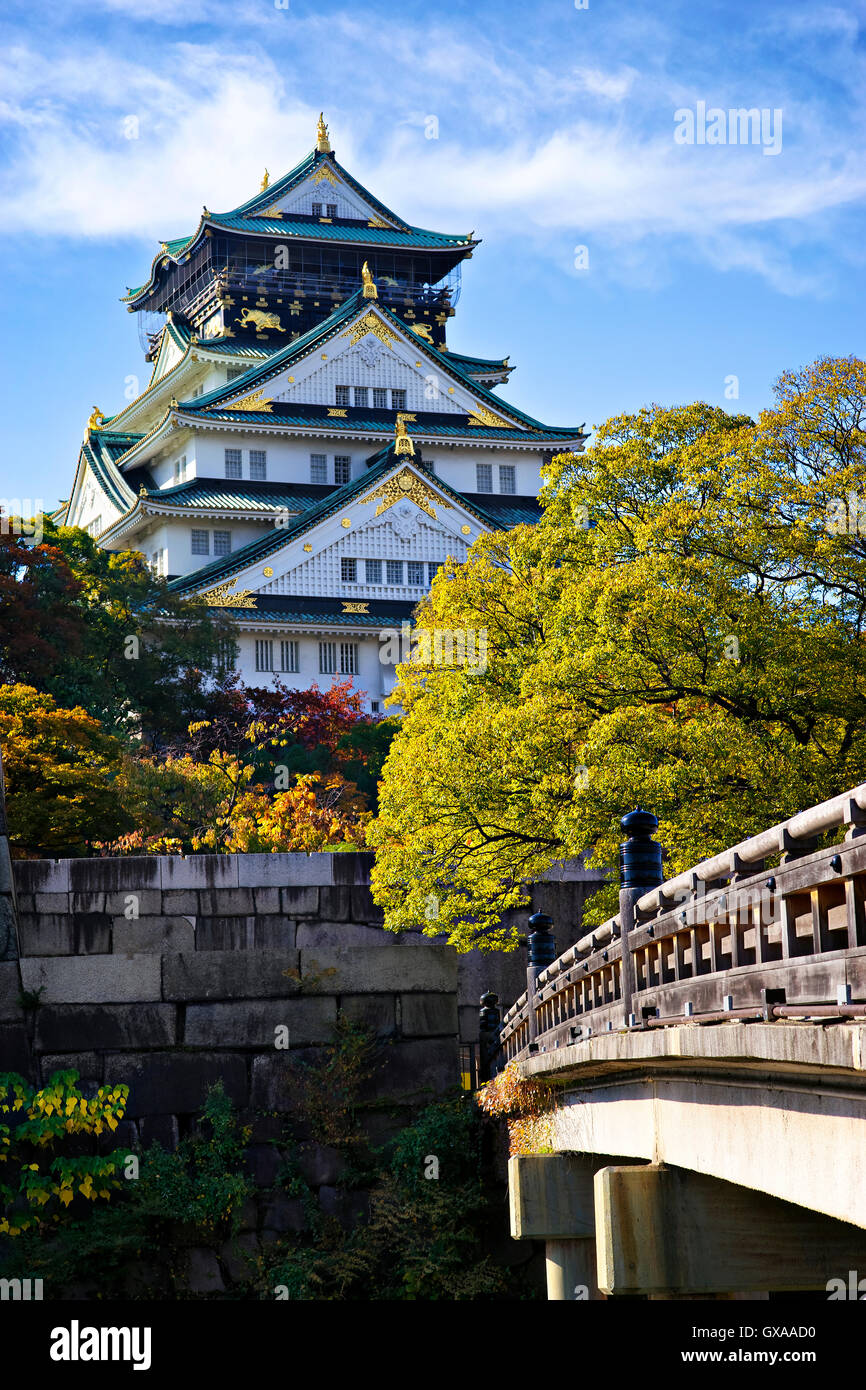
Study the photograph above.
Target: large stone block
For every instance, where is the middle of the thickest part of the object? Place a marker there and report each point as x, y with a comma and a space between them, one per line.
225, 902
352, 868
231, 975
284, 870
284, 1213
320, 1164
52, 902
92, 933
87, 1064
169, 935
378, 1012
144, 902
112, 875
85, 902
50, 934
175, 1083
327, 934
82, 1026
364, 909
267, 901
358, 970
300, 901
93, 979
254, 1022
179, 902
10, 989
198, 871
14, 1050
244, 934
335, 903
426, 1015
42, 875
414, 1072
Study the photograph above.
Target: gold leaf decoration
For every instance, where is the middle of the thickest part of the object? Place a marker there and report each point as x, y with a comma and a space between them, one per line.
371, 323
480, 416
255, 401
406, 484
356, 607
222, 596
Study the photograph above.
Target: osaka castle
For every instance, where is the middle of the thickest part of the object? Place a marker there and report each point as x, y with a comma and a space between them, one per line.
308, 450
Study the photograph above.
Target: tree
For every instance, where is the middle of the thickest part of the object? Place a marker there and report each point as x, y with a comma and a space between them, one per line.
62, 773
97, 629
683, 629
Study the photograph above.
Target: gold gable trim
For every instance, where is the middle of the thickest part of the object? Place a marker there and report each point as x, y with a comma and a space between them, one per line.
222, 596
255, 401
406, 484
371, 323
480, 416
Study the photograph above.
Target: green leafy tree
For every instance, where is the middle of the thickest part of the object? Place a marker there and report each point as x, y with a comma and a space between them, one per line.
683, 629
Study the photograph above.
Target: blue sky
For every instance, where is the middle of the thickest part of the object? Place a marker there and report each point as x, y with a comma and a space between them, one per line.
555, 131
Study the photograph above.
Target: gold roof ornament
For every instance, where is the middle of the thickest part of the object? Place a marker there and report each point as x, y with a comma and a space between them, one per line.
323, 144
95, 420
370, 291
402, 442
265, 181
406, 484
223, 597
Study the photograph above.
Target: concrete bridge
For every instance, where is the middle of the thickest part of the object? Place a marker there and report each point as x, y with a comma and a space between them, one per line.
707, 1051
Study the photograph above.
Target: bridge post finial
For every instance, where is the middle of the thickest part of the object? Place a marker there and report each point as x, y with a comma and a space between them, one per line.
489, 1024
640, 868
542, 952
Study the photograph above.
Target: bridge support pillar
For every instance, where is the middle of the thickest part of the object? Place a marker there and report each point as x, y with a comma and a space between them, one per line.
551, 1198
672, 1232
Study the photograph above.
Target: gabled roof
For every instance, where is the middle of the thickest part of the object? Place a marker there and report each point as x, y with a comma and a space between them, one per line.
277, 537
100, 452
216, 404
243, 495
250, 218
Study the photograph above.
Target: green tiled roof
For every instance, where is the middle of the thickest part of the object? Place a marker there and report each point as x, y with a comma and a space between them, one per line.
479, 364
246, 496
245, 219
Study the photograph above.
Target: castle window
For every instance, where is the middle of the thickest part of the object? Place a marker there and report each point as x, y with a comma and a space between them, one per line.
222, 542
332, 209
95, 526
234, 459
289, 656
373, 571
506, 478
232, 373
348, 658
180, 469
317, 209
394, 570
374, 706
380, 398
327, 658
415, 571
264, 656
483, 477
342, 468
258, 465
398, 400
201, 542
362, 395
433, 569
349, 571
342, 395
318, 468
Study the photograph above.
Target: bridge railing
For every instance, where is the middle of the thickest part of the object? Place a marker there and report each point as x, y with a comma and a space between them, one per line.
729, 939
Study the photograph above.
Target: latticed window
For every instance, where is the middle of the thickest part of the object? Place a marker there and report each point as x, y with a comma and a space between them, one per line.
349, 571
201, 542
327, 658
289, 656
332, 209
415, 571
264, 655
394, 571
180, 469
433, 569
380, 398
483, 477
348, 658
373, 571
317, 209
318, 468
234, 463
342, 395
258, 465
506, 478
222, 542
398, 400
362, 395
232, 373
342, 468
